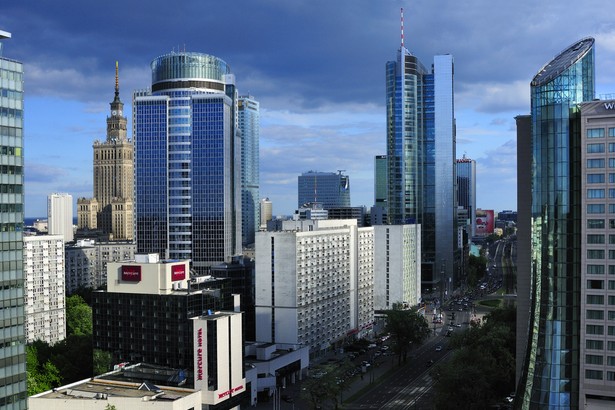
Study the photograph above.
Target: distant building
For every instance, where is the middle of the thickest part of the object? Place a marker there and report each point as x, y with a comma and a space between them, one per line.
248, 119
44, 298
380, 180
314, 283
111, 210
466, 190
507, 216
60, 216
86, 262
397, 266
330, 189
12, 277
266, 212
351, 212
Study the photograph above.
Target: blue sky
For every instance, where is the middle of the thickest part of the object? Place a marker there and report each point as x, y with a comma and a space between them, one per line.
316, 67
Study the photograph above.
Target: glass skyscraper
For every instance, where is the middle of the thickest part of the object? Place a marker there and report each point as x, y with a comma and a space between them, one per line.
466, 189
13, 390
187, 161
550, 378
421, 158
330, 189
248, 116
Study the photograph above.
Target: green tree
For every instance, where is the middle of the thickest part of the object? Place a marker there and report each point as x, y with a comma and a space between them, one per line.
102, 361
78, 316
407, 327
40, 377
329, 387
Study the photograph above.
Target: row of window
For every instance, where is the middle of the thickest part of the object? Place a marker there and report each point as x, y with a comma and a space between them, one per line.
599, 132
599, 299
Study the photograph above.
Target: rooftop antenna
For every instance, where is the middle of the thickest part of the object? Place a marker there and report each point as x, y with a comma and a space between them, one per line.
117, 79
402, 27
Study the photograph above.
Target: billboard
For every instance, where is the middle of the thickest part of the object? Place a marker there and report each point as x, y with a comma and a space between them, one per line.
131, 273
178, 272
484, 222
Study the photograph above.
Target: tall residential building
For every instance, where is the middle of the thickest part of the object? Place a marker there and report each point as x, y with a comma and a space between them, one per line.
421, 160
466, 190
597, 364
248, 120
187, 161
111, 210
60, 215
314, 282
266, 212
551, 375
330, 189
45, 304
13, 394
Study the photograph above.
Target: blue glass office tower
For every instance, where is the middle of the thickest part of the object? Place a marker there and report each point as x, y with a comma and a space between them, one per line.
13, 390
187, 161
466, 189
330, 189
421, 161
248, 115
550, 377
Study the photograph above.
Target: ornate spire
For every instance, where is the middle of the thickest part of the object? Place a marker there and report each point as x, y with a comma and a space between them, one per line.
117, 83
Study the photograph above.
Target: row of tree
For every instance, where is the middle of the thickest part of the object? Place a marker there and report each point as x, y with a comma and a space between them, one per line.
69, 360
482, 370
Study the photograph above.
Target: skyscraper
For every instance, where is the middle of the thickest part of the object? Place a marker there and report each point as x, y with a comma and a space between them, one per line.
266, 212
466, 189
550, 377
60, 215
187, 161
13, 393
111, 210
248, 116
421, 159
330, 189
380, 180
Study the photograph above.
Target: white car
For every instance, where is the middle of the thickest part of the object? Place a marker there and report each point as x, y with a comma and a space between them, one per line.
438, 348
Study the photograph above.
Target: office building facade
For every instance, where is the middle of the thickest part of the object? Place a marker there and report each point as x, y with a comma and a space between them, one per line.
248, 119
421, 161
13, 393
60, 215
330, 189
187, 161
466, 190
111, 210
551, 374
45, 291
380, 181
266, 213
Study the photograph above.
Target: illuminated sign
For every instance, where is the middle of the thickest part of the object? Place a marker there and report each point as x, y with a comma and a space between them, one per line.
131, 273
178, 272
199, 354
609, 106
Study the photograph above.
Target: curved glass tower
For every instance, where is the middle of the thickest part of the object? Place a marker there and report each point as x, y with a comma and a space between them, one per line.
187, 161
551, 372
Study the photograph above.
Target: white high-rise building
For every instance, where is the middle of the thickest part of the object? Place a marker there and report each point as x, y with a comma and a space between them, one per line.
397, 265
314, 282
60, 215
44, 298
266, 212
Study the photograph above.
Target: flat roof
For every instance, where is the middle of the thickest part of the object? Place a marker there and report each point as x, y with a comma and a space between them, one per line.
4, 34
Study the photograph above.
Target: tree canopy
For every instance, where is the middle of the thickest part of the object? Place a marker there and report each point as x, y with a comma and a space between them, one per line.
407, 327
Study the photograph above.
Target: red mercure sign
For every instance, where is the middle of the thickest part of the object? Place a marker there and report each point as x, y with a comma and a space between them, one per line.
131, 273
199, 354
233, 390
178, 272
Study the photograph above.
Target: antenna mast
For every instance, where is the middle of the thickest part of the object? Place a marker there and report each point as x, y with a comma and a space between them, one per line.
117, 80
402, 27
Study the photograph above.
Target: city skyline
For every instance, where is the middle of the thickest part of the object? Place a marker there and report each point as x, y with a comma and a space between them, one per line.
302, 62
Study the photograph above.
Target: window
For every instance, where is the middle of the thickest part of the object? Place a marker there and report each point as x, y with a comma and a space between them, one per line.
611, 146
595, 269
595, 178
611, 269
610, 376
611, 132
595, 133
612, 208
595, 193
612, 285
595, 224
612, 178
611, 193
595, 254
595, 284
595, 238
611, 300
612, 239
611, 331
594, 344
612, 223
611, 315
595, 299
595, 163
595, 148
610, 345
611, 162
594, 314
595, 208
593, 359
593, 374
594, 329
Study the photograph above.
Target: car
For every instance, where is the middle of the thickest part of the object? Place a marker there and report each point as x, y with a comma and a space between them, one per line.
428, 363
457, 325
438, 348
